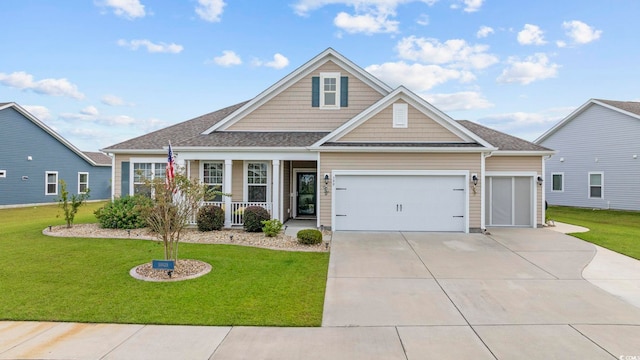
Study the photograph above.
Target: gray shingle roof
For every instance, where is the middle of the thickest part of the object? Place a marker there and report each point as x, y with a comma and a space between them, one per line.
502, 141
98, 157
254, 139
176, 133
403, 144
630, 106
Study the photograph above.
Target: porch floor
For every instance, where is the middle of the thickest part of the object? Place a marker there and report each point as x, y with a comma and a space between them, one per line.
295, 225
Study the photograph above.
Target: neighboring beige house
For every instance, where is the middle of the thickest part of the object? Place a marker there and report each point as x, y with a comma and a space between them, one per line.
331, 142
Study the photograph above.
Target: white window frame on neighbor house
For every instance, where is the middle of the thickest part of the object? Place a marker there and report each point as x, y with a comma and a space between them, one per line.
601, 185
267, 183
553, 175
336, 90
206, 177
157, 167
81, 183
47, 183
400, 115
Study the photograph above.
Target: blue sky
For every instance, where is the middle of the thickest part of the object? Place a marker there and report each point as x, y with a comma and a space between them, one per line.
100, 72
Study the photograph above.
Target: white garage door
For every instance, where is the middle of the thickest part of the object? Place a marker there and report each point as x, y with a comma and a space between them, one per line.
509, 201
400, 202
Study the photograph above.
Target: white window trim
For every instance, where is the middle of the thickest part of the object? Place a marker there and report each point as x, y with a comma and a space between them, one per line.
3, 173
400, 115
561, 185
79, 174
46, 182
152, 160
201, 173
328, 75
601, 184
245, 167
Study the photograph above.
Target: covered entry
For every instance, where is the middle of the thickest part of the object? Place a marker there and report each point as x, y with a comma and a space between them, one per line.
510, 201
401, 202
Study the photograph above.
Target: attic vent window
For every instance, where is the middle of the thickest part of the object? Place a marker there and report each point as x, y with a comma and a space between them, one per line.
400, 116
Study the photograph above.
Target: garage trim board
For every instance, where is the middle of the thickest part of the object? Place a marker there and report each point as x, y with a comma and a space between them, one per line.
406, 200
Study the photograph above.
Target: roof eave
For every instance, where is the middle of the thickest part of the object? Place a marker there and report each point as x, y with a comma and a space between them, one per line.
402, 149
523, 152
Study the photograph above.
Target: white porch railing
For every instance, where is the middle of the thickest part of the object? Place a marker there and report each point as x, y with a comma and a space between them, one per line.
237, 210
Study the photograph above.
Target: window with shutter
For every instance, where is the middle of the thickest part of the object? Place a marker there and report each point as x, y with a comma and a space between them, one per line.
329, 91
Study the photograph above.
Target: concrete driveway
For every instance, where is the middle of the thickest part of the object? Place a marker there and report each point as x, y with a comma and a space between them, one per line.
514, 293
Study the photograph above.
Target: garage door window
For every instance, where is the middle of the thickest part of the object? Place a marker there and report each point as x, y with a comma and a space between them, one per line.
596, 185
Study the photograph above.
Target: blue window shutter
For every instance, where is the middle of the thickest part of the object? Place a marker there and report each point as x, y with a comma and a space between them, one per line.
344, 91
315, 91
124, 179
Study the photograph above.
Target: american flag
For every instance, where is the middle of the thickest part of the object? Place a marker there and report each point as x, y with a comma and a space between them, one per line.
170, 172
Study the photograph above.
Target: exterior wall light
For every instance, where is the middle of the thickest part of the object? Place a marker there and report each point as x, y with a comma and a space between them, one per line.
326, 184
474, 178
540, 180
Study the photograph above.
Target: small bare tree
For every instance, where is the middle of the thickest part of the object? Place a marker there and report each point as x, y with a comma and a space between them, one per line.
70, 204
175, 203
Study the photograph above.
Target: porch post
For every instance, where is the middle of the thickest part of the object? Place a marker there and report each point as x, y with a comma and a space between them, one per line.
275, 190
226, 188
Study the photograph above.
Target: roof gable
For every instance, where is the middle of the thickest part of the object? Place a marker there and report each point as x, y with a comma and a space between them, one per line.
93, 160
451, 133
629, 108
297, 75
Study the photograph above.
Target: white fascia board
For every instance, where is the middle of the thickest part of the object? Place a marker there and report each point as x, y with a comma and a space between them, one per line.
564, 121
616, 109
402, 93
378, 149
51, 132
523, 153
287, 81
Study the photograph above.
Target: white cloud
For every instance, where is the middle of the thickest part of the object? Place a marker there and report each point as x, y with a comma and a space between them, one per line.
526, 125
129, 9
561, 44
417, 77
455, 52
533, 68
423, 20
90, 110
228, 58
472, 5
55, 87
531, 35
210, 10
113, 100
365, 23
39, 111
465, 100
279, 61
580, 32
150, 46
369, 16
484, 31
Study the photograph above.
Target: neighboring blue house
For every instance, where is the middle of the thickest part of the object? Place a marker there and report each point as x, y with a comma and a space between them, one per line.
34, 158
597, 163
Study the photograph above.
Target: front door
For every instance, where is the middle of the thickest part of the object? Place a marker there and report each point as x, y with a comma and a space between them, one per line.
306, 198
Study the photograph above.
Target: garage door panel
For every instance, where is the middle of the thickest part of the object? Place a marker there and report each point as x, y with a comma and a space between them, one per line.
395, 202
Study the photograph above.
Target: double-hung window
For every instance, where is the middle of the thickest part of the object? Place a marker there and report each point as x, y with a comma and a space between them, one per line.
330, 90
51, 183
213, 176
257, 181
83, 182
143, 173
596, 185
557, 182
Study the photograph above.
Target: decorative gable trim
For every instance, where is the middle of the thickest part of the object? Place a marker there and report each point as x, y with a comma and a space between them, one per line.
415, 101
304, 70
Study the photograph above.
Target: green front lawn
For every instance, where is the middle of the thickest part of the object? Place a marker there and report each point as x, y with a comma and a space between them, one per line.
87, 280
612, 229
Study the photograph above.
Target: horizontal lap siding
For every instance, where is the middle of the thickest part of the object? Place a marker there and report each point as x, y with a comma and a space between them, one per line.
120, 158
291, 109
520, 164
399, 161
420, 128
612, 138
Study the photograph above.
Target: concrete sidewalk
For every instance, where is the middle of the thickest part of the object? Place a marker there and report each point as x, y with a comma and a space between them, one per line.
518, 293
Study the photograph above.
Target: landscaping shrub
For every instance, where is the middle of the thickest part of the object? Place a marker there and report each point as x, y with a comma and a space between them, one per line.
210, 217
253, 218
309, 236
271, 227
124, 213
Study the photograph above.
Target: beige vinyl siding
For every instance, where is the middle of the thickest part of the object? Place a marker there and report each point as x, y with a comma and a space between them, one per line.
421, 128
194, 167
237, 181
291, 109
400, 161
517, 164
